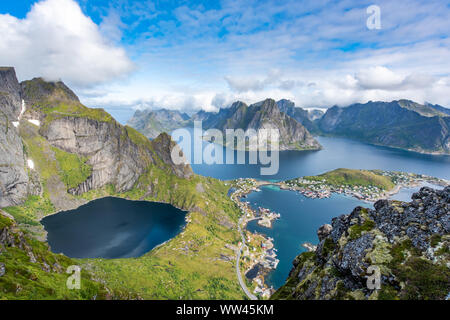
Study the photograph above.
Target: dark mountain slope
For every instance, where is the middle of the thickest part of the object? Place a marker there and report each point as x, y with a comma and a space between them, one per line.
389, 124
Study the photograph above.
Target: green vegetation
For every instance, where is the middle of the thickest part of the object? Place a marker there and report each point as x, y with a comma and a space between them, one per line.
444, 250
341, 292
33, 208
173, 270
55, 101
33, 272
328, 246
387, 292
51, 175
54, 111
73, 169
401, 251
4, 221
38, 150
137, 138
178, 267
351, 177
423, 279
188, 266
356, 230
435, 239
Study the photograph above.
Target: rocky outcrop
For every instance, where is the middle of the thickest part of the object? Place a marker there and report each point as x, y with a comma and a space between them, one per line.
112, 155
14, 180
401, 124
409, 243
324, 231
10, 93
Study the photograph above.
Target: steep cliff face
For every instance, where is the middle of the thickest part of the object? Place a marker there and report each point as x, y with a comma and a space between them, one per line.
408, 242
118, 155
401, 124
263, 115
10, 93
14, 180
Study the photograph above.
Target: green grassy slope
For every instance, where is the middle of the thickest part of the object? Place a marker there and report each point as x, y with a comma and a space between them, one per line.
31, 271
192, 265
352, 177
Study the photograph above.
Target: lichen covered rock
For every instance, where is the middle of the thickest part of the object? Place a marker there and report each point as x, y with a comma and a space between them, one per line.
407, 242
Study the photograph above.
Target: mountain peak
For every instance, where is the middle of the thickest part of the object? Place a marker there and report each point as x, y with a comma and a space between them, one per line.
38, 89
8, 81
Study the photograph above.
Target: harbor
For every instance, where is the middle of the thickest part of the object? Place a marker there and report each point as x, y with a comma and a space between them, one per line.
321, 189
259, 256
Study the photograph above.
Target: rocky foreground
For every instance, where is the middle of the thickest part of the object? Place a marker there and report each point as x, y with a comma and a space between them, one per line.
408, 242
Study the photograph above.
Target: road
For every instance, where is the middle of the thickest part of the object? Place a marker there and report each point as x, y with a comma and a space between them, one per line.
238, 269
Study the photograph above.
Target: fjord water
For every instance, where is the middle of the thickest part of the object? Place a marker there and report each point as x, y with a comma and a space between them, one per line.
336, 153
302, 216
300, 219
113, 228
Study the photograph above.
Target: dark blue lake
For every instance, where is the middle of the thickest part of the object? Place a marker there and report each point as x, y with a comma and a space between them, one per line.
113, 228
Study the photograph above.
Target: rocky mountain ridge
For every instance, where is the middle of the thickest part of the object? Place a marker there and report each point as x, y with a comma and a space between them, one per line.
409, 243
303, 116
118, 155
401, 124
14, 178
265, 114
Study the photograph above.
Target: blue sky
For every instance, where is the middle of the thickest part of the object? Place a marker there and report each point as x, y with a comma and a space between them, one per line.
190, 55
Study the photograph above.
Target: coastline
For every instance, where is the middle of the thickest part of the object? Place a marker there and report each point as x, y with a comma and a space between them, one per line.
264, 258
243, 187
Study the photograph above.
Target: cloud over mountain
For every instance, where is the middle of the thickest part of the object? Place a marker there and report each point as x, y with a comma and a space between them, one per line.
56, 40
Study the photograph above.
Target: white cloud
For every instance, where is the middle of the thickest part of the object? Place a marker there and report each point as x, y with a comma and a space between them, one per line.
317, 53
57, 41
378, 77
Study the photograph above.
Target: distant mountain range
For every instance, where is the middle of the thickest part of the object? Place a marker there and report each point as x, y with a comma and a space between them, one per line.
400, 124
153, 122
262, 115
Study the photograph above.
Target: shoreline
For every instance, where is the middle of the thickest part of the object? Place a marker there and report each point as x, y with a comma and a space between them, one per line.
329, 189
267, 258
186, 219
253, 185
